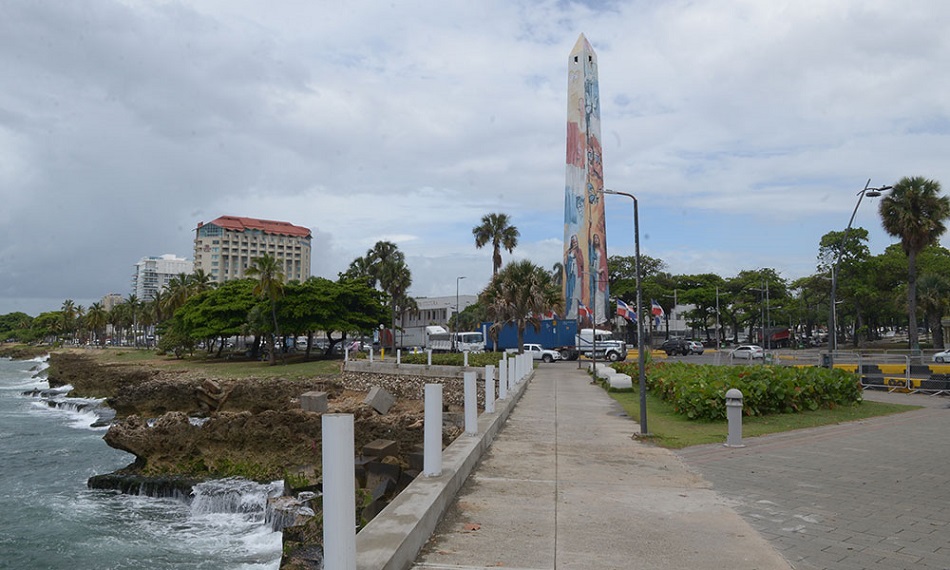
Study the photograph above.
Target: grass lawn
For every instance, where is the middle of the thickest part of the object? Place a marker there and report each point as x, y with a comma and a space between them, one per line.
674, 431
295, 368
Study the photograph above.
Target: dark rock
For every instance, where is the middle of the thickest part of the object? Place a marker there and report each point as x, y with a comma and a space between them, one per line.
135, 484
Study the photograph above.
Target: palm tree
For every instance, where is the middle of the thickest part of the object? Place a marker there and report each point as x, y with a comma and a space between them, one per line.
270, 286
177, 292
557, 273
521, 293
915, 212
96, 319
395, 279
68, 312
199, 282
497, 229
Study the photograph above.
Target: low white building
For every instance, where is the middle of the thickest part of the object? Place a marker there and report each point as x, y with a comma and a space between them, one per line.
432, 311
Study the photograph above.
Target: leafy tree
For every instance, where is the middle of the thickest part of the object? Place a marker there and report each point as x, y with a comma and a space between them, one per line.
270, 286
916, 213
521, 293
217, 313
497, 230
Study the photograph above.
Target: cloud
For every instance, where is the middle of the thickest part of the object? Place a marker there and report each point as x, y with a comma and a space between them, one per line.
745, 129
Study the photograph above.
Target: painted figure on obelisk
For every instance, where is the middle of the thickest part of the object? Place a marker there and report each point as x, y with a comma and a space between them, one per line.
585, 237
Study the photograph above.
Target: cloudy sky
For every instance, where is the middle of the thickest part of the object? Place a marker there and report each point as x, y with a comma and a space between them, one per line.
744, 127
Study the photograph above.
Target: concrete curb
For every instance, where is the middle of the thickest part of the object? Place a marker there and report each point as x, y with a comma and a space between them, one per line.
393, 539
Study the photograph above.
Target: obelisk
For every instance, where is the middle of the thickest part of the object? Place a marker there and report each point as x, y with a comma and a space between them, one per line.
585, 238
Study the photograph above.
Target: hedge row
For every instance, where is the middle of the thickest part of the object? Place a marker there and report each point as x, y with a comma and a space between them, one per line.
698, 391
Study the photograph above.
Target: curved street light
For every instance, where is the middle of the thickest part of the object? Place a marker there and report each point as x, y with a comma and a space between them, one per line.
832, 317
640, 356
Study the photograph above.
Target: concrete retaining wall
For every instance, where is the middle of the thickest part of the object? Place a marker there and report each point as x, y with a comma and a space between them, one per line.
390, 367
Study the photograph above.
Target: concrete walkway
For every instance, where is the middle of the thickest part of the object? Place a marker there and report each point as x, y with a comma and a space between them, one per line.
565, 485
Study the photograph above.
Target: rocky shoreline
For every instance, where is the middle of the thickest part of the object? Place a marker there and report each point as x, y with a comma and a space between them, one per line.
252, 428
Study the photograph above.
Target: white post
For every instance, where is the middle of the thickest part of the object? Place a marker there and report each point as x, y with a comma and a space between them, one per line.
471, 403
465, 359
346, 353
489, 389
339, 495
429, 352
370, 355
432, 427
398, 356
503, 379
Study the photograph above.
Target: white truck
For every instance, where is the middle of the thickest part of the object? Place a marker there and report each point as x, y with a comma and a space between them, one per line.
440, 340
600, 343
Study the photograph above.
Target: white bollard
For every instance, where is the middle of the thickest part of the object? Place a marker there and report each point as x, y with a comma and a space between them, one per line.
429, 352
346, 353
465, 359
339, 495
432, 436
370, 355
489, 389
734, 416
398, 356
471, 403
503, 379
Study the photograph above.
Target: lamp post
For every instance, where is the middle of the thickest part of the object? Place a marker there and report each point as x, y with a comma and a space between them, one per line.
455, 329
832, 316
640, 356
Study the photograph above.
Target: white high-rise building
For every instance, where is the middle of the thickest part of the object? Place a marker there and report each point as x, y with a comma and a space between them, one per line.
154, 272
227, 246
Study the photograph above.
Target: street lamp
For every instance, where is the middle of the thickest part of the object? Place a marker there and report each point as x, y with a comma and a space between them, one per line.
457, 311
640, 356
832, 316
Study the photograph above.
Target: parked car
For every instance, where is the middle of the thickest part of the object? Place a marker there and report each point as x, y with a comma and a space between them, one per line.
747, 352
942, 356
695, 347
673, 346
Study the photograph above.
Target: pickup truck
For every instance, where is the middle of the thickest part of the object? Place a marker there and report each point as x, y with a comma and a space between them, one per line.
538, 352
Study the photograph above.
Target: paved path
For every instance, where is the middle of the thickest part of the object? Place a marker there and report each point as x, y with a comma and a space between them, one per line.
871, 495
565, 486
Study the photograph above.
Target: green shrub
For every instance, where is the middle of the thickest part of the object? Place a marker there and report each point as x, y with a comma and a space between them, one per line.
699, 391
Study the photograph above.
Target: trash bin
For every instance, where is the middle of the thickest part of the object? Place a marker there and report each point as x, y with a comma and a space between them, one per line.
827, 360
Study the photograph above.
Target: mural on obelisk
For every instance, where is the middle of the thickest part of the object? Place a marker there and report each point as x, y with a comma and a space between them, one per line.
585, 237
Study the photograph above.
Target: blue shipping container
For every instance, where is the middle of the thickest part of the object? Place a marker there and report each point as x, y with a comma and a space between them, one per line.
554, 333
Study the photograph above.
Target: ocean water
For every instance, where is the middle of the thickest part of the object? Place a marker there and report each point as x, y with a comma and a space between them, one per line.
50, 520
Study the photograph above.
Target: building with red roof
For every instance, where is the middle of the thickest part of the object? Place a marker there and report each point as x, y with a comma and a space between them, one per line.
226, 247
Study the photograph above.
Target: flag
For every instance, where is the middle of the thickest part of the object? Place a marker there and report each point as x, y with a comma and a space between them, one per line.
657, 312
583, 311
625, 311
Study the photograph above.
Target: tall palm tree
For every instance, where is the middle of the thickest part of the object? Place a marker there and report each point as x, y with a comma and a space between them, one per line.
96, 319
915, 212
521, 293
68, 312
199, 282
177, 292
270, 286
497, 229
384, 265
